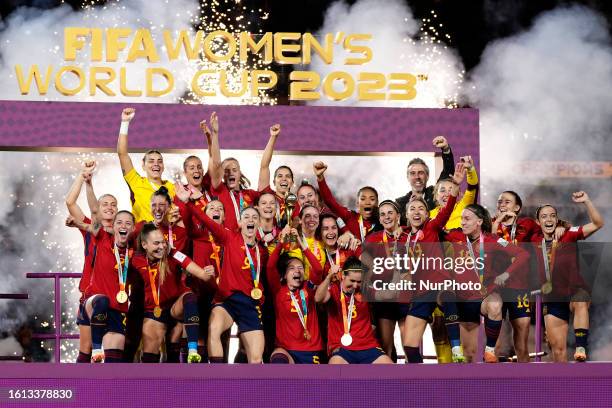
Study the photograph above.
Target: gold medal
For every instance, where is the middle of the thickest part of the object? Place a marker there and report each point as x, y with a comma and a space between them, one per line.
547, 287
157, 312
346, 339
307, 335
256, 293
122, 296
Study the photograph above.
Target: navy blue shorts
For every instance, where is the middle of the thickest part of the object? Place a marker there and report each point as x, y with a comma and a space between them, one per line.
165, 318
517, 308
367, 356
390, 310
306, 357
245, 311
469, 311
558, 309
423, 307
115, 321
82, 319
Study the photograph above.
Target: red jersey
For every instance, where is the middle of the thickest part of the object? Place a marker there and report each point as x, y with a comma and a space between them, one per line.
521, 231
104, 277
244, 198
235, 267
289, 329
361, 326
355, 223
172, 286
207, 252
493, 247
89, 244
564, 272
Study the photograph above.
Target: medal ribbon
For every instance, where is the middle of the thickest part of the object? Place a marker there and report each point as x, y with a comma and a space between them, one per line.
346, 320
385, 240
121, 272
236, 209
548, 266
302, 315
254, 275
479, 271
216, 252
331, 259
154, 288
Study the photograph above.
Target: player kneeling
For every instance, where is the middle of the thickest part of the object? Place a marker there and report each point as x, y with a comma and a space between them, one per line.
167, 299
351, 339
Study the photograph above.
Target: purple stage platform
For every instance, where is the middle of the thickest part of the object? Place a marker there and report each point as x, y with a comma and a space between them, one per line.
166, 385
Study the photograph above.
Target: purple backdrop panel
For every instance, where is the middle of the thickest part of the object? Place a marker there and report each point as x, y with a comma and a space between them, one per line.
507, 385
168, 126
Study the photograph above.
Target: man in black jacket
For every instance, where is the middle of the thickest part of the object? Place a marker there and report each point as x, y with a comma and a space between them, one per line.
418, 174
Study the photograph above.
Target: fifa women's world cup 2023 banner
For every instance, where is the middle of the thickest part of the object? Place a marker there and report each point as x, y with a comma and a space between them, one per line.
224, 51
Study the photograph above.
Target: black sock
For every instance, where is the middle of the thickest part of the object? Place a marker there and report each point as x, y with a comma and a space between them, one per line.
279, 358
215, 360
492, 329
113, 356
173, 352
192, 319
98, 320
413, 354
149, 358
582, 337
451, 321
83, 357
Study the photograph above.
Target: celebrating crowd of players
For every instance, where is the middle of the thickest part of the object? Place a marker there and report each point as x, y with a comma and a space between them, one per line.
289, 268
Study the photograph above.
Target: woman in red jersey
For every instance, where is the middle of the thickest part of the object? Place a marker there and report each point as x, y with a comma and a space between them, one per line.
564, 289
423, 241
268, 230
105, 209
239, 296
298, 338
106, 297
335, 256
360, 223
480, 278
351, 339
167, 298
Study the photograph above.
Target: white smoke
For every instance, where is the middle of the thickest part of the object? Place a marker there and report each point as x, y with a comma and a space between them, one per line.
32, 36
395, 49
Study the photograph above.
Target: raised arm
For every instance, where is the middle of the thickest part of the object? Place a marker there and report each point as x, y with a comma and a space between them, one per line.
72, 197
264, 169
448, 161
92, 200
122, 142
326, 194
214, 162
597, 221
322, 294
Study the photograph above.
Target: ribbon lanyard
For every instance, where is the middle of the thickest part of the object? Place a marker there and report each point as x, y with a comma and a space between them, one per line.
331, 259
412, 251
236, 209
385, 240
254, 275
362, 231
513, 232
154, 288
479, 271
302, 315
347, 319
548, 267
121, 272
278, 212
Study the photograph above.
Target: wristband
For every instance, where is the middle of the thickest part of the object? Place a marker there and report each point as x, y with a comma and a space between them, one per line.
123, 130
